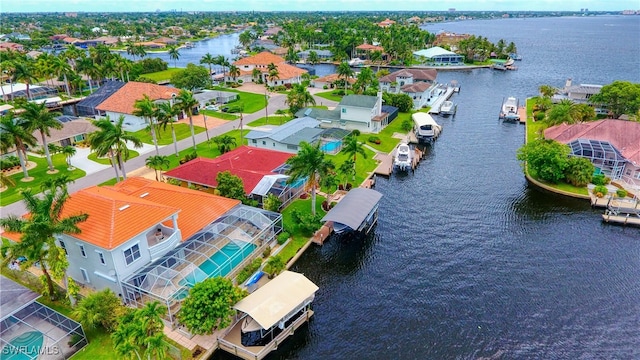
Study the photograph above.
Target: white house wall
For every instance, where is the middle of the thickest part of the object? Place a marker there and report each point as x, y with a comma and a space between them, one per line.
266, 143
131, 122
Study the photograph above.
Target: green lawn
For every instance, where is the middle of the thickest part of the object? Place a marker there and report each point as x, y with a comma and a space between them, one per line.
249, 102
105, 161
272, 120
39, 173
298, 240
220, 115
363, 166
164, 75
330, 96
164, 135
387, 142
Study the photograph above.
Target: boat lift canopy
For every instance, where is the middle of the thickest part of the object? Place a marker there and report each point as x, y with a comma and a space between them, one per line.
280, 297
354, 208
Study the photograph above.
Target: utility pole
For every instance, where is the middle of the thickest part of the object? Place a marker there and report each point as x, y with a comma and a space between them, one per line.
266, 104
206, 130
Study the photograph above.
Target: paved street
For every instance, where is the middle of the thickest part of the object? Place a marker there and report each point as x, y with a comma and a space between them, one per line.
97, 173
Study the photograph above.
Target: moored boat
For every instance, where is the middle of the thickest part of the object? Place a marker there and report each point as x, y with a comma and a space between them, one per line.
425, 127
448, 108
403, 159
509, 110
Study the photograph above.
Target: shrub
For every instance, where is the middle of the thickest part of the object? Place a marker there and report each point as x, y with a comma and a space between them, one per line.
407, 125
266, 252
9, 162
349, 186
282, 237
374, 139
598, 179
240, 81
325, 205
600, 191
304, 196
621, 193
539, 116
325, 87
248, 270
306, 222
74, 340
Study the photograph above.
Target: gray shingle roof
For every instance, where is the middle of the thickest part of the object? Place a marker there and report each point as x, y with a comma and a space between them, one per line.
309, 135
364, 101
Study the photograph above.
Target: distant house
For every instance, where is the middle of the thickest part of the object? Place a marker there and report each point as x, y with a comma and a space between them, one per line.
330, 81
365, 50
261, 170
354, 112
87, 106
214, 96
439, 56
386, 23
287, 74
5, 46
121, 103
419, 84
323, 55
577, 93
613, 146
19, 90
165, 40
73, 130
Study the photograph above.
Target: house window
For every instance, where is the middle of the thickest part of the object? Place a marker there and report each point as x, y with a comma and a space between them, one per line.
101, 256
82, 252
63, 247
264, 142
274, 144
85, 275
132, 254
254, 141
638, 175
344, 110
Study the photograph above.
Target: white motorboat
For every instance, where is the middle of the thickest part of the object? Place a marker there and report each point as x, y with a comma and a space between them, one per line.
403, 158
509, 110
448, 108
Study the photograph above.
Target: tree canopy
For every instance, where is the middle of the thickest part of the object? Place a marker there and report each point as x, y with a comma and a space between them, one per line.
547, 159
230, 186
620, 97
209, 305
191, 78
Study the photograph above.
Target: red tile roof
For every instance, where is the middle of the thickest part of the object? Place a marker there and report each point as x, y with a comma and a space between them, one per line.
623, 135
249, 163
122, 101
369, 47
263, 58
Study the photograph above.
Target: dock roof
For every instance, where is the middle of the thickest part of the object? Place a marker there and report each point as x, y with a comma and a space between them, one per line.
354, 208
277, 298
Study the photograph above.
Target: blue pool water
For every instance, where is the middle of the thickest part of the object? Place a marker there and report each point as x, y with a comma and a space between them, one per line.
24, 347
331, 146
219, 264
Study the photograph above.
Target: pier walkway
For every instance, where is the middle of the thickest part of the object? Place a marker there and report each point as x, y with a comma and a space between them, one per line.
436, 105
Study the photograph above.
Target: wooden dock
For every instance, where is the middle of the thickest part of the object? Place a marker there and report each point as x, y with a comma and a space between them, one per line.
522, 113
385, 167
626, 219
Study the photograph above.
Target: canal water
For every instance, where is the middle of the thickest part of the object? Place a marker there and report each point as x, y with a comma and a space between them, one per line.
469, 261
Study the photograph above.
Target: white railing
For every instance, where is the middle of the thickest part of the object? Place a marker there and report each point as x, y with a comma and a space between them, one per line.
160, 249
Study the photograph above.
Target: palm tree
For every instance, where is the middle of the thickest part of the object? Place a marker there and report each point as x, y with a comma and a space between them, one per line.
111, 140
165, 115
353, 147
273, 75
69, 151
313, 58
186, 103
15, 132
222, 61
38, 117
256, 74
23, 72
299, 97
174, 54
547, 91
37, 242
376, 57
89, 68
224, 143
61, 67
6, 181
344, 71
208, 59
146, 109
309, 163
347, 168
234, 72
245, 38
158, 162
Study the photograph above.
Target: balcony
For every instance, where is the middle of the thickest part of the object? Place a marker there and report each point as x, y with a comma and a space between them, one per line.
161, 242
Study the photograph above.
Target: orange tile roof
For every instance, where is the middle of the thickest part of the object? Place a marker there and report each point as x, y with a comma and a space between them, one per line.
197, 209
122, 101
285, 71
263, 58
114, 217
369, 47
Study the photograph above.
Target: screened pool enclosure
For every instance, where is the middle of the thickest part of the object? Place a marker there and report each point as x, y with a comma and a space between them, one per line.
222, 248
602, 155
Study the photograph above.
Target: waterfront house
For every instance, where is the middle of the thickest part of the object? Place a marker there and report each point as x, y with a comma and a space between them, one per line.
438, 56
354, 112
87, 106
365, 50
269, 315
613, 146
323, 55
287, 74
28, 328
122, 101
262, 172
419, 84
577, 93
288, 136
330, 81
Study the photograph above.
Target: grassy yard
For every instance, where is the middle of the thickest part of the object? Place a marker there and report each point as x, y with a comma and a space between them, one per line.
39, 173
363, 166
534, 131
249, 102
220, 115
164, 135
272, 120
387, 141
298, 239
164, 75
329, 95
105, 161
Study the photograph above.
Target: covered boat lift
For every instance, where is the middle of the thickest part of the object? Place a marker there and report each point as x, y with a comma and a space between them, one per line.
269, 315
357, 211
425, 127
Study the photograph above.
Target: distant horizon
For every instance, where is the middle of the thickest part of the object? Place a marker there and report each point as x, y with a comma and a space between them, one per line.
147, 6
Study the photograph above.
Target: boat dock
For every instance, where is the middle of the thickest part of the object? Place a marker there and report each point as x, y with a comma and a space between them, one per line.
522, 112
385, 167
435, 107
625, 211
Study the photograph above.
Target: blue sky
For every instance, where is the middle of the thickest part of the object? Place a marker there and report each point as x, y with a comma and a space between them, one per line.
307, 5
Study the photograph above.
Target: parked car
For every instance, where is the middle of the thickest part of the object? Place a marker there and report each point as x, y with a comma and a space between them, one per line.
212, 107
225, 109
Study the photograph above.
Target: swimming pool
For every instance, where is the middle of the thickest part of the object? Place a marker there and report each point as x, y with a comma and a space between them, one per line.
220, 263
24, 347
331, 147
